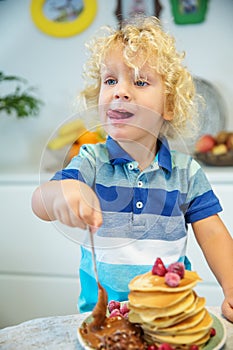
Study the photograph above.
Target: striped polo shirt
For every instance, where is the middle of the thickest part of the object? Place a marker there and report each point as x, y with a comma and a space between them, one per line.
145, 213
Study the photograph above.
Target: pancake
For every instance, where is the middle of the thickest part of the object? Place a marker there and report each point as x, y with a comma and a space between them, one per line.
168, 314
185, 324
181, 338
175, 324
149, 282
191, 325
149, 314
176, 342
161, 300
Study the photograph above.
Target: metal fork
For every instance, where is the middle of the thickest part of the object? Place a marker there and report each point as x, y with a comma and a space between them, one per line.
99, 311
93, 254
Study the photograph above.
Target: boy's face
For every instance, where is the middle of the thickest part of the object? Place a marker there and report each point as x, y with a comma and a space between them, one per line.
131, 108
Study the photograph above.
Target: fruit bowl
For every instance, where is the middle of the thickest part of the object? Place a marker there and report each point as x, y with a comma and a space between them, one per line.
208, 158
216, 150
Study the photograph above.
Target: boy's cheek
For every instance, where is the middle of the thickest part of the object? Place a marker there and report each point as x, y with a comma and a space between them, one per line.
102, 114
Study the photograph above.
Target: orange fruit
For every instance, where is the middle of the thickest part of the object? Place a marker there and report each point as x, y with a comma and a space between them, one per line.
74, 149
88, 137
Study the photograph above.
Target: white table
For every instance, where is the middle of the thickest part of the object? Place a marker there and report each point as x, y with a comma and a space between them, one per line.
60, 333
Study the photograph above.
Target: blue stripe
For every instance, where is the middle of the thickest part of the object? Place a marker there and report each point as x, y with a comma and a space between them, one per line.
88, 296
202, 207
120, 276
155, 201
68, 174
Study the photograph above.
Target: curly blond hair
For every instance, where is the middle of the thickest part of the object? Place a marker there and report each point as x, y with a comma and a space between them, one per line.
144, 38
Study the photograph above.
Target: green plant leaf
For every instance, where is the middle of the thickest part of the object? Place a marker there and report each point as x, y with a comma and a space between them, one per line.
21, 102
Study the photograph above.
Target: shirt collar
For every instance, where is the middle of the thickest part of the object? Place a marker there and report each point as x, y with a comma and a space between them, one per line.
118, 156
164, 154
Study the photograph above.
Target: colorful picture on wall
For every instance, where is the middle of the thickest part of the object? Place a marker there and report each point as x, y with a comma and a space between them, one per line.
63, 10
129, 8
189, 11
63, 18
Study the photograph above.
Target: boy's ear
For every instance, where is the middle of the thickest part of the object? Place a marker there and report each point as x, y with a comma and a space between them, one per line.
168, 109
168, 116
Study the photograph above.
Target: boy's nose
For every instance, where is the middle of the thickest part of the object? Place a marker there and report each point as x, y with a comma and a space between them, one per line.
123, 97
122, 93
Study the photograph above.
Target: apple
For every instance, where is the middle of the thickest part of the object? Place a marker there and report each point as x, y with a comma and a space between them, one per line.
205, 143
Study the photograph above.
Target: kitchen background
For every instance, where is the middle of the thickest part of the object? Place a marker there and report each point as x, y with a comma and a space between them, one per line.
38, 266
53, 66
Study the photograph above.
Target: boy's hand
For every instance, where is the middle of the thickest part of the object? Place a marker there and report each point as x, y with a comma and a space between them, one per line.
77, 205
227, 308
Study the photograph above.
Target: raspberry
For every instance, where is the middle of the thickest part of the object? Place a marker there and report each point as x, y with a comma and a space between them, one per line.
172, 279
124, 309
115, 313
178, 268
159, 268
212, 332
194, 347
165, 346
113, 305
152, 347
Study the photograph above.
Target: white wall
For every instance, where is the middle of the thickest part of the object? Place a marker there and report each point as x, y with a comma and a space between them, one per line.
53, 65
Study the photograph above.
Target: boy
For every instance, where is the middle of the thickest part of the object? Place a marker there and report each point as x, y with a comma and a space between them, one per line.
134, 193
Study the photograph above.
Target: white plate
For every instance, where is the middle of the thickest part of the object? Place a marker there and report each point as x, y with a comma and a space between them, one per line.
215, 343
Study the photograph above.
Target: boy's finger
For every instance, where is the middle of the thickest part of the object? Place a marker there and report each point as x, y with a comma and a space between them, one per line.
93, 229
90, 213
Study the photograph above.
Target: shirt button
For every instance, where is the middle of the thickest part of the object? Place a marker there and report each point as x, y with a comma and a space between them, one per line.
140, 183
139, 205
131, 166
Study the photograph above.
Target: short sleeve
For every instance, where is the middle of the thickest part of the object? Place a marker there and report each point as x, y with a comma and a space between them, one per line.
82, 167
201, 199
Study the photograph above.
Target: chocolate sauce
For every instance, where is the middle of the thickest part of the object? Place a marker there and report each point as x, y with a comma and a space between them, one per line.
100, 309
109, 333
114, 334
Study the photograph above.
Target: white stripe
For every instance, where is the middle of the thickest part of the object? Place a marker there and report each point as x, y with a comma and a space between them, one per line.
137, 252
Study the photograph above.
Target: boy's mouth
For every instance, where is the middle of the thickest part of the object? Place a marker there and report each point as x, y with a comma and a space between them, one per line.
119, 114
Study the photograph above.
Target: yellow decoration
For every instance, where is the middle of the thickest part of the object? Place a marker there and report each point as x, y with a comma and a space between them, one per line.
61, 141
63, 26
72, 126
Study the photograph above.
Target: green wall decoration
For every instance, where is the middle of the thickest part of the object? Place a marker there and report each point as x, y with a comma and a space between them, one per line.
189, 11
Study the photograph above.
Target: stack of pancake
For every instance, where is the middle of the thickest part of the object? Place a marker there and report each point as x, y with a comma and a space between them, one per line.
174, 315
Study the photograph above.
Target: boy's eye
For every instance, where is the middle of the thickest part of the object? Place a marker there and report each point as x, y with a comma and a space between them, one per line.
110, 81
141, 83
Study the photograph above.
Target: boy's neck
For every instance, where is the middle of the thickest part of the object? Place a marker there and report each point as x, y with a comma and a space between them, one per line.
142, 154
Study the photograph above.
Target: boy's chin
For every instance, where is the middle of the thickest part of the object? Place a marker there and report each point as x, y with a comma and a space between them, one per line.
121, 134
129, 133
